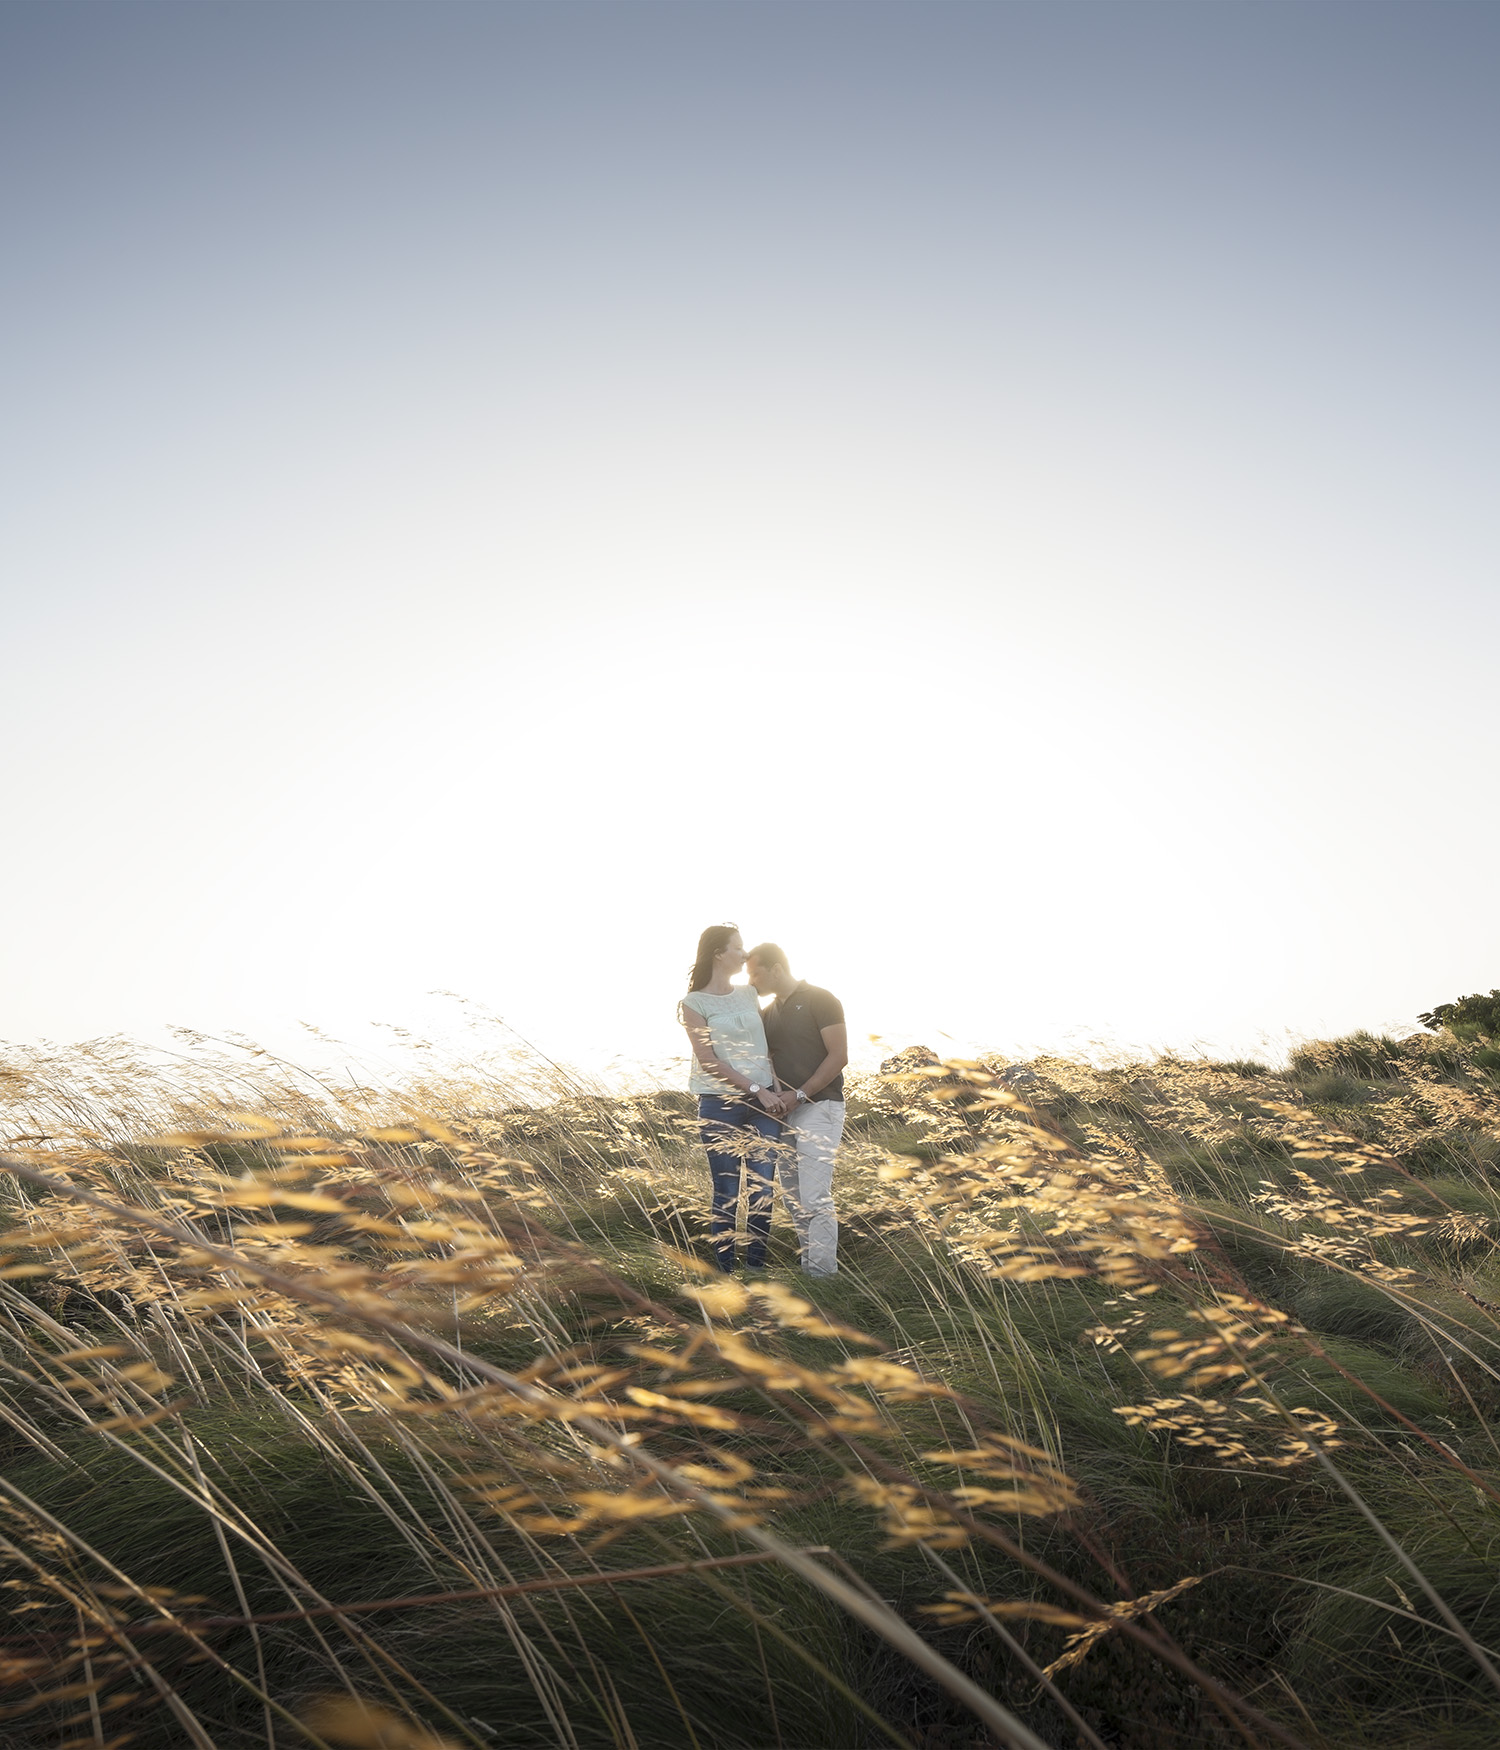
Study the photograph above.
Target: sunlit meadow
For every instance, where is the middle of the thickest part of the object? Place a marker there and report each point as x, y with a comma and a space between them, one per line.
1153, 1405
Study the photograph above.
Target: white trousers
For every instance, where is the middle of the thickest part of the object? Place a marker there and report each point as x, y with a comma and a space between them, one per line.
816, 1129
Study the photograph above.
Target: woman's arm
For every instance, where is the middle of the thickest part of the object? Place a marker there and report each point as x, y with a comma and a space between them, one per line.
708, 1058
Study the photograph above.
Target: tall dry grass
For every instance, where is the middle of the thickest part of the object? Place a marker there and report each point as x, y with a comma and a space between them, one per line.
1151, 1406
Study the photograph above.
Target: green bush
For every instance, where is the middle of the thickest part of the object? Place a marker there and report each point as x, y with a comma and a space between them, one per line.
1471, 1017
1366, 1056
1461, 1150
1332, 1088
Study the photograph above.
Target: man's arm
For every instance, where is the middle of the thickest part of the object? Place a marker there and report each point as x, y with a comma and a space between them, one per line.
836, 1044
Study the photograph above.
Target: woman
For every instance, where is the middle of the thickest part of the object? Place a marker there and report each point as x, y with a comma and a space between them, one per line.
735, 1087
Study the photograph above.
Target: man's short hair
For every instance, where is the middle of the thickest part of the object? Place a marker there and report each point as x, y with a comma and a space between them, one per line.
769, 956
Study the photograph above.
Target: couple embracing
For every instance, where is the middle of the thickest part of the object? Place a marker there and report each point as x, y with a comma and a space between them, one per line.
766, 1078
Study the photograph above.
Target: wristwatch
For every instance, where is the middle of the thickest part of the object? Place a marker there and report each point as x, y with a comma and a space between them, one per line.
755, 1088
804, 1098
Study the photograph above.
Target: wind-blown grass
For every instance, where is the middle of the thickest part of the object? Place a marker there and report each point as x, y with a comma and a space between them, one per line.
1151, 1406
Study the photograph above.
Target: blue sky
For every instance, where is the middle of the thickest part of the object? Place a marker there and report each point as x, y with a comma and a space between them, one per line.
998, 497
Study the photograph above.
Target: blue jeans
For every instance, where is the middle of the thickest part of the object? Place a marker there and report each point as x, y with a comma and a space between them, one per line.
739, 1135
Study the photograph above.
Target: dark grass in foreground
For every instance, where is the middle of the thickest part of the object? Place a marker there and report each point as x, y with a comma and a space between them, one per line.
1177, 1382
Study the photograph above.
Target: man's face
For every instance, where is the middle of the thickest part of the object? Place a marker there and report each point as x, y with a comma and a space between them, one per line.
758, 975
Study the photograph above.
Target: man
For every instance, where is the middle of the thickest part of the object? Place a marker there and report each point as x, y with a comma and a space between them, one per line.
809, 1046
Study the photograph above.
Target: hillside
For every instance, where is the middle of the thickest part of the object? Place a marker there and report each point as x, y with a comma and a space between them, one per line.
1152, 1406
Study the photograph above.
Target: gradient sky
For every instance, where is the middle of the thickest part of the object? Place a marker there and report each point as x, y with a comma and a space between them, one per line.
999, 498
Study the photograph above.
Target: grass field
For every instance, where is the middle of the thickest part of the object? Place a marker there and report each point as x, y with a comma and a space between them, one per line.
1152, 1406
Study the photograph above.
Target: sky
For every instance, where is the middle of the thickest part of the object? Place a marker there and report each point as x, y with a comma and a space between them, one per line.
997, 498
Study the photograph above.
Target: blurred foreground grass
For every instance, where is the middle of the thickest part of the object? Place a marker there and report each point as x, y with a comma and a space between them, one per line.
1152, 1406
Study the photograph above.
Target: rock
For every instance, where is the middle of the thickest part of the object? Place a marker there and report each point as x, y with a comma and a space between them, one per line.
913, 1057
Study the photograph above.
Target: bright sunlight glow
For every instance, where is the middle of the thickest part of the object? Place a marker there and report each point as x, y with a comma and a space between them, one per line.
951, 490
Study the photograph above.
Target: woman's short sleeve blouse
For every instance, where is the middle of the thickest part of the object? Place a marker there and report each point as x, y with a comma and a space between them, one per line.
739, 1039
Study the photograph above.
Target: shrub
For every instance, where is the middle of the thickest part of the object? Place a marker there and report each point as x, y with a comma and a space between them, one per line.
1367, 1056
1471, 1017
1441, 1053
1331, 1088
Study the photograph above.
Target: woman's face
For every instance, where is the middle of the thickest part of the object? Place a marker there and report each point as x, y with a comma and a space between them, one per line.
731, 957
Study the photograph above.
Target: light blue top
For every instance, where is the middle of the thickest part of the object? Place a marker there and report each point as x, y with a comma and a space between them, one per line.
738, 1037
